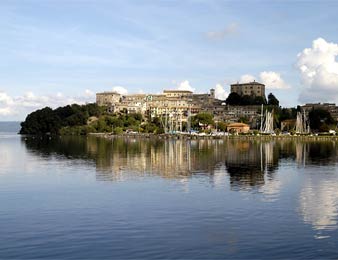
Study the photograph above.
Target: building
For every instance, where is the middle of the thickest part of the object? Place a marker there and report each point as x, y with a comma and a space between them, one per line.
251, 89
178, 93
177, 105
107, 98
330, 107
238, 128
172, 103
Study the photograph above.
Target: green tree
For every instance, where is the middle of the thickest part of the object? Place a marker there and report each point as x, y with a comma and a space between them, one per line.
47, 120
272, 100
259, 101
233, 99
43, 121
222, 126
247, 100
202, 119
320, 120
244, 120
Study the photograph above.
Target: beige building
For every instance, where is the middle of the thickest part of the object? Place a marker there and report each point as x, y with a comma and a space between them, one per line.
251, 89
238, 128
107, 98
178, 105
178, 93
173, 103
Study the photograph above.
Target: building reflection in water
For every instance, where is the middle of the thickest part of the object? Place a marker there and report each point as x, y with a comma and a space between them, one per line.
241, 164
249, 163
244, 163
165, 158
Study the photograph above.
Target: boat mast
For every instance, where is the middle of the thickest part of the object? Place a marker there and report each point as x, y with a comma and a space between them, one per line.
261, 129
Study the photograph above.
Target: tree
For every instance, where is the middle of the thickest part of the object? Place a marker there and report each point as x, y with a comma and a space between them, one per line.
233, 99
272, 100
51, 121
41, 121
204, 119
246, 100
320, 119
259, 101
222, 126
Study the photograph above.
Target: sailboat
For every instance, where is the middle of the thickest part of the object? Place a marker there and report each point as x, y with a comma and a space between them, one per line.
267, 122
302, 124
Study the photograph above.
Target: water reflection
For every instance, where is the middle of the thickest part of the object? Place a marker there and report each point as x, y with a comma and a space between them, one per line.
318, 203
245, 162
242, 165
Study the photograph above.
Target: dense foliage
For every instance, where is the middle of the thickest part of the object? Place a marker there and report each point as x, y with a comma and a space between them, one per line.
320, 120
85, 119
272, 100
236, 100
202, 120
49, 121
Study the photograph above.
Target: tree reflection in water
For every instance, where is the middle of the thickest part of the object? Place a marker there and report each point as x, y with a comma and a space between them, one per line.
241, 165
247, 163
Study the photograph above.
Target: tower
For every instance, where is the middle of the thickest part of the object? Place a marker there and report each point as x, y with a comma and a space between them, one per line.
212, 93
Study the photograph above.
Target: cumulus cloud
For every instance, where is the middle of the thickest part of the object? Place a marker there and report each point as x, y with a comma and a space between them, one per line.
220, 92
185, 85
88, 93
246, 78
120, 90
231, 29
21, 105
5, 99
319, 71
271, 80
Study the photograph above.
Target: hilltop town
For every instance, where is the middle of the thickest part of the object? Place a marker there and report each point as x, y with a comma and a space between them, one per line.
179, 105
242, 110
245, 110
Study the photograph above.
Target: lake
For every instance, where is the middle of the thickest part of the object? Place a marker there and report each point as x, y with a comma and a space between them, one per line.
87, 197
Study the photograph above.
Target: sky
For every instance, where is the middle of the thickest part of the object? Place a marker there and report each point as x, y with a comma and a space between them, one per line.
56, 52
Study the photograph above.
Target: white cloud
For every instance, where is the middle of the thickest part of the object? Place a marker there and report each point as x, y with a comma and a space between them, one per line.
89, 93
6, 111
273, 80
185, 85
319, 71
28, 102
247, 78
5, 99
220, 92
120, 90
231, 29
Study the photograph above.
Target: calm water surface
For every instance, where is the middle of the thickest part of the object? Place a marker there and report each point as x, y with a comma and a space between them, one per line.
131, 198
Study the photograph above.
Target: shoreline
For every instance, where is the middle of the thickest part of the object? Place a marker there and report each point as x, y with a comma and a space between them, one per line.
223, 137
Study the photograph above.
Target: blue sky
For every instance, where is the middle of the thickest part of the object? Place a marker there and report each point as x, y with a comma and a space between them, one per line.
58, 52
